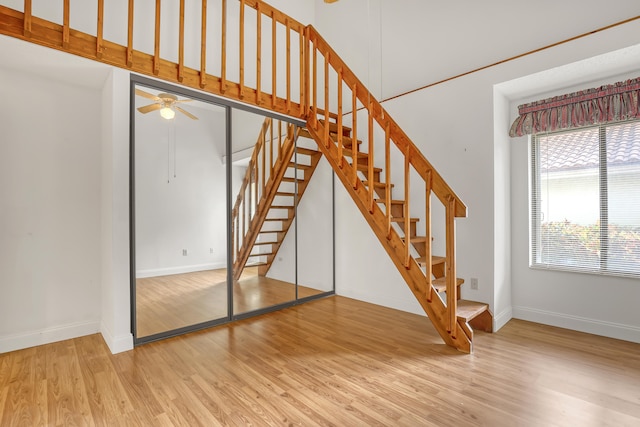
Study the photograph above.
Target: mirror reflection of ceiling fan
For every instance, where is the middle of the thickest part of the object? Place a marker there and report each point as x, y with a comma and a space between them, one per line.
166, 103
330, 1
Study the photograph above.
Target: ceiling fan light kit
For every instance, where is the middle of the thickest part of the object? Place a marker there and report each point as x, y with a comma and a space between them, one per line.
166, 103
167, 113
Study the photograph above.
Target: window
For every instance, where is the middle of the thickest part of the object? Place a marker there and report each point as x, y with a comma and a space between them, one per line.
585, 199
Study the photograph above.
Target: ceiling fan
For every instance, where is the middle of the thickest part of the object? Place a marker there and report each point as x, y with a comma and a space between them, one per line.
166, 103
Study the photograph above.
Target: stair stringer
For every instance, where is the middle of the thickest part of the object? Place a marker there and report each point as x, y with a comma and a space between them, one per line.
428, 298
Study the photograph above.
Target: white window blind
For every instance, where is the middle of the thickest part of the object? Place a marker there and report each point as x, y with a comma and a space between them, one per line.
585, 199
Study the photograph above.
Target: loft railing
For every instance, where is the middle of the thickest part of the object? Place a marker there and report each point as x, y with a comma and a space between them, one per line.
246, 50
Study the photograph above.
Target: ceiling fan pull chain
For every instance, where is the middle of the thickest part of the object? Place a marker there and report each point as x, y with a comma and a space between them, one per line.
175, 162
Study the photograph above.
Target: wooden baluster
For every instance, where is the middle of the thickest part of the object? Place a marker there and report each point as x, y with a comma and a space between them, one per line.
427, 243
156, 48
271, 149
223, 50
264, 161
203, 46
65, 23
258, 52
288, 65
181, 43
100, 30
340, 147
233, 234
279, 139
315, 87
387, 177
452, 298
326, 100
274, 29
242, 49
307, 76
354, 135
407, 208
370, 157
27, 18
244, 214
130, 36
302, 73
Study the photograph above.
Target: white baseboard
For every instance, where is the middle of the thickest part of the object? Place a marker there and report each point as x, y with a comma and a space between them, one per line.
501, 319
47, 336
116, 344
582, 324
141, 274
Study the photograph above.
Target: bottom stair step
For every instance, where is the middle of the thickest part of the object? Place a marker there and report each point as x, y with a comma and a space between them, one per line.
468, 310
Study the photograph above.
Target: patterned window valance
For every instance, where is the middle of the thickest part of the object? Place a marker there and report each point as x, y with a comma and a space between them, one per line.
606, 104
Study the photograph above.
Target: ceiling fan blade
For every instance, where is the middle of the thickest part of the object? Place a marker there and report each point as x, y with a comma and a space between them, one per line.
186, 113
144, 94
149, 108
178, 101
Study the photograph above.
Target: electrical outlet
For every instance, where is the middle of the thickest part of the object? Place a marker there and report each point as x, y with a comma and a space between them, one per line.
184, 252
474, 283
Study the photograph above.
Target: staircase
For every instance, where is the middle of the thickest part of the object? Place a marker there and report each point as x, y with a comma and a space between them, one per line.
278, 174
388, 178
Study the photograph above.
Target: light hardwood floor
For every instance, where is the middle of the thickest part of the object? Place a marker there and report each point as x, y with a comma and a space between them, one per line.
334, 361
170, 302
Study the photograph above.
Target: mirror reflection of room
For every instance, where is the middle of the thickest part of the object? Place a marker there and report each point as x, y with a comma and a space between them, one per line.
281, 214
180, 212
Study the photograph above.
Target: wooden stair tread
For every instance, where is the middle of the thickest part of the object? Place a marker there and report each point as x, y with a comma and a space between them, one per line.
403, 219
306, 151
467, 310
441, 283
285, 193
377, 184
435, 260
277, 219
393, 202
349, 152
281, 207
256, 264
300, 166
365, 167
262, 254
417, 239
288, 179
333, 127
346, 140
265, 243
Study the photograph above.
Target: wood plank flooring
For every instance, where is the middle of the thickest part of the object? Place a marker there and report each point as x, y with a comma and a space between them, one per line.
170, 302
331, 362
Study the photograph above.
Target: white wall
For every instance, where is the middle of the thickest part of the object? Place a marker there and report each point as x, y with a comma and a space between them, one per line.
50, 210
461, 126
116, 311
398, 46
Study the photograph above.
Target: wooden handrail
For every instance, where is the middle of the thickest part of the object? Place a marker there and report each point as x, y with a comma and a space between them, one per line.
398, 136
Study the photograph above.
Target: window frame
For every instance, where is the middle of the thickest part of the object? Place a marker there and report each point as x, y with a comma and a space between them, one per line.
535, 206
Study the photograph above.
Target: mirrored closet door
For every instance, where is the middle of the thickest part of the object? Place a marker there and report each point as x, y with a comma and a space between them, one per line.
232, 212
